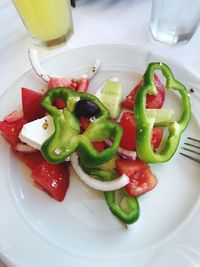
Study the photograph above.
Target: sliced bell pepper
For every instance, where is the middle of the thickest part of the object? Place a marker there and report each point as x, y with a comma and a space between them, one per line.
123, 206
67, 137
144, 125
127, 210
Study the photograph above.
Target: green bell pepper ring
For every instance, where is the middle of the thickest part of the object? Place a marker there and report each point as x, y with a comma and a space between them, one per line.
67, 138
144, 125
98, 131
124, 207
127, 210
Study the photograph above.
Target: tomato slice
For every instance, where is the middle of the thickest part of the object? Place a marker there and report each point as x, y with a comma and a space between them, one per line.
84, 122
156, 101
129, 100
63, 82
53, 178
11, 129
141, 182
98, 145
152, 101
128, 140
31, 160
141, 178
156, 137
32, 109
59, 103
129, 166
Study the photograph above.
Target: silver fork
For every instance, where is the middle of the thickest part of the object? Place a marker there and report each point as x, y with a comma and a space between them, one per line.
192, 146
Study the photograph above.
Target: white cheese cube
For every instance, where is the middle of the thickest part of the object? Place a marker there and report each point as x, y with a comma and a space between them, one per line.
36, 132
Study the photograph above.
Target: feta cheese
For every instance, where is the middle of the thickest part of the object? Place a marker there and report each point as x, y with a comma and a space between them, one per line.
36, 132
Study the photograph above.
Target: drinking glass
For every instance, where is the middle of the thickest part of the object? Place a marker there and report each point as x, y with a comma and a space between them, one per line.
49, 22
174, 21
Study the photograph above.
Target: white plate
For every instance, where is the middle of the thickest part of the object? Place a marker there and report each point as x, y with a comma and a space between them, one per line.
36, 230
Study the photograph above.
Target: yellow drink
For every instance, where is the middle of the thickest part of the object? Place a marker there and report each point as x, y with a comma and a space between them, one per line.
48, 21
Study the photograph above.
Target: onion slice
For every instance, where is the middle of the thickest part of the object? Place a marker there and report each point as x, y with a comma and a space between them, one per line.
124, 153
94, 183
94, 69
25, 148
33, 56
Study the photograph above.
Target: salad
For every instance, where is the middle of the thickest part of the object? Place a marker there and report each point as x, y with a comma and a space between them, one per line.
109, 141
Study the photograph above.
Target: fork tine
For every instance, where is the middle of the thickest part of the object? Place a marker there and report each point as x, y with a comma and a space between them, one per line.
190, 150
189, 157
188, 144
193, 139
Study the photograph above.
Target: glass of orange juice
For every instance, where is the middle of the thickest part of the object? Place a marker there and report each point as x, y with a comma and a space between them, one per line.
49, 22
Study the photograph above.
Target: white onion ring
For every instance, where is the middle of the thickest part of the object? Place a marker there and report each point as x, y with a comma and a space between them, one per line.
94, 183
94, 69
25, 148
124, 153
33, 56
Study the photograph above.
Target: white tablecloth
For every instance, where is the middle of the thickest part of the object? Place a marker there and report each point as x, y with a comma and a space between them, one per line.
95, 21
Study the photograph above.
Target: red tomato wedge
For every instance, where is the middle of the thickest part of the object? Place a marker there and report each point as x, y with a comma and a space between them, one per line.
53, 178
141, 178
129, 167
128, 140
152, 101
31, 160
98, 145
32, 109
59, 103
84, 122
11, 129
156, 137
63, 82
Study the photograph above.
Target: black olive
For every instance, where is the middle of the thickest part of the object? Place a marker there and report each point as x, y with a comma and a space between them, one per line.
86, 108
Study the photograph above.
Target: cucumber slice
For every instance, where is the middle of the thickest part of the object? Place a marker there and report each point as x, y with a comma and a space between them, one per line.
161, 116
111, 96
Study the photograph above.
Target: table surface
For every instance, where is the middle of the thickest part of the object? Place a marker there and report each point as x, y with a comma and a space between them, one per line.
95, 22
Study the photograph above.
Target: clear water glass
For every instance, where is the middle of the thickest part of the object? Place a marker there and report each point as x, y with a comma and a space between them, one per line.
174, 21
